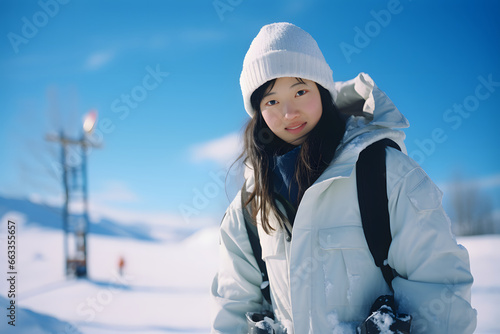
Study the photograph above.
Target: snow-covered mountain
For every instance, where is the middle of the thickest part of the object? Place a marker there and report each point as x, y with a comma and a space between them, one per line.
47, 216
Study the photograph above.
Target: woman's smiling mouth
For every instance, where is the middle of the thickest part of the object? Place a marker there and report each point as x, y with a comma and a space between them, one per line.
296, 129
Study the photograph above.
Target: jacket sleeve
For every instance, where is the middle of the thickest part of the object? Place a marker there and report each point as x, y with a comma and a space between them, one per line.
434, 282
236, 286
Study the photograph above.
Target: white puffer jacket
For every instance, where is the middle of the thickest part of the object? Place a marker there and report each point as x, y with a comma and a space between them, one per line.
325, 280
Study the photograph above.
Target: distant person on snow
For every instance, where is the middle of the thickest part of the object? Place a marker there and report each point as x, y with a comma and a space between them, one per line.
121, 265
301, 148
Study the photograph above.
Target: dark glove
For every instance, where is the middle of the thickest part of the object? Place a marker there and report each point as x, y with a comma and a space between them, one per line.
257, 323
383, 317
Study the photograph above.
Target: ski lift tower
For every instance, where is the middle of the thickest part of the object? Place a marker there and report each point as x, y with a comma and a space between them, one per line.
74, 179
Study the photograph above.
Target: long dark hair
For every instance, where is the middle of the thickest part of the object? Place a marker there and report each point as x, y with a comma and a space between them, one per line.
261, 145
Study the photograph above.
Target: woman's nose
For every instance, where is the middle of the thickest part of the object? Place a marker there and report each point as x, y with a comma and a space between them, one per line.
290, 110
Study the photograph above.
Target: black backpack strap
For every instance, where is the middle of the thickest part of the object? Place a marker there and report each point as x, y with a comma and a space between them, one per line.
373, 203
253, 237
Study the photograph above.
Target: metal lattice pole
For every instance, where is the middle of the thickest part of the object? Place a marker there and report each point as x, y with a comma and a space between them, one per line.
78, 264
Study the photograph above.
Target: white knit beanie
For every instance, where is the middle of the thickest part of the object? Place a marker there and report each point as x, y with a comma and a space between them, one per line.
283, 50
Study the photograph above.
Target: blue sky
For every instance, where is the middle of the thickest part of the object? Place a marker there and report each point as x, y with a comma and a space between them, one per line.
167, 137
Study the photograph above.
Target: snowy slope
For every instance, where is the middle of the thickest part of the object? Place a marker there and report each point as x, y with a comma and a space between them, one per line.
165, 286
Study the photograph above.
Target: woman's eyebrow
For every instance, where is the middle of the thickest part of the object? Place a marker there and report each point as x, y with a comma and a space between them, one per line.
293, 85
298, 83
268, 93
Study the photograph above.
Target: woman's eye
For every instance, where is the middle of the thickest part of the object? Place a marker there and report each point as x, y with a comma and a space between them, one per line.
301, 92
271, 103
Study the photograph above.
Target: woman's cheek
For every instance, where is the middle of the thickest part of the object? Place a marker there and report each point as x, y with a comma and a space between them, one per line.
271, 120
314, 107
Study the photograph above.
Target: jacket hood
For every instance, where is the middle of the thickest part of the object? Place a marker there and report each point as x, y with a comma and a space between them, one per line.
371, 116
369, 107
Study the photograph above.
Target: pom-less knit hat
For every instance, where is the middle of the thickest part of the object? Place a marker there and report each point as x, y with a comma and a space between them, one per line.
283, 50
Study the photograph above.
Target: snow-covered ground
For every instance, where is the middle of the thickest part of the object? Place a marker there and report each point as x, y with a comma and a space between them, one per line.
164, 288
485, 266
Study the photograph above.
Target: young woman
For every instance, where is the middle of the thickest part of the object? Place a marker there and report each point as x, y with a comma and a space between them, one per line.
301, 146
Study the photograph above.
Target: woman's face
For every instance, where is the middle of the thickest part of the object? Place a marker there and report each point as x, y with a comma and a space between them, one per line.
292, 108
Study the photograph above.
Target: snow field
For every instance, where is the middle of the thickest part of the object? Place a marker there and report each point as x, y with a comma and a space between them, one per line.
164, 289
165, 286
